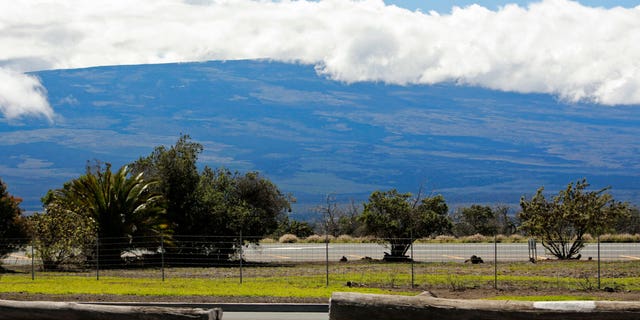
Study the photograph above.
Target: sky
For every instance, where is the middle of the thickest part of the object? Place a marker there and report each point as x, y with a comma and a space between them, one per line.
583, 54
576, 52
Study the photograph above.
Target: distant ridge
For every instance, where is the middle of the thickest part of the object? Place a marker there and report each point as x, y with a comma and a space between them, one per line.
313, 136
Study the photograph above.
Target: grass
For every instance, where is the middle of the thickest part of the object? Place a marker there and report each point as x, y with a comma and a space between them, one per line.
296, 287
309, 280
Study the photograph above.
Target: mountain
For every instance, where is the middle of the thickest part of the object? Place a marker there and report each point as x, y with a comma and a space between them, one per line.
313, 136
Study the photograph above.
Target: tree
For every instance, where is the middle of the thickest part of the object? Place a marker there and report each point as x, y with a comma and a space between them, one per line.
175, 170
339, 219
12, 225
484, 220
207, 211
124, 207
476, 219
62, 237
398, 219
562, 222
629, 224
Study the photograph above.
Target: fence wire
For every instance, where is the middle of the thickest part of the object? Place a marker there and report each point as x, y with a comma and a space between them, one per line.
456, 266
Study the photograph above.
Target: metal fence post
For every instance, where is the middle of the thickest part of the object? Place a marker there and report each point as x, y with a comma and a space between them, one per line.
33, 262
241, 243
326, 255
98, 257
162, 255
412, 265
599, 262
495, 261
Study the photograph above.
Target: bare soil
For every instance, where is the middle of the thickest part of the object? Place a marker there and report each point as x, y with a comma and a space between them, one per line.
477, 293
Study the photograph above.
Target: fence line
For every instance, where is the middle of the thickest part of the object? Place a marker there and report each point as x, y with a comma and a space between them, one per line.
113, 255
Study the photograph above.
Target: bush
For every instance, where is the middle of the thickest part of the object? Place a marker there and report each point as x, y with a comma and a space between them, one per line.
314, 238
620, 238
445, 239
288, 238
345, 238
476, 238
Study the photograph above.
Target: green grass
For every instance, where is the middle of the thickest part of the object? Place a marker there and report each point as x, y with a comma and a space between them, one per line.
309, 280
297, 287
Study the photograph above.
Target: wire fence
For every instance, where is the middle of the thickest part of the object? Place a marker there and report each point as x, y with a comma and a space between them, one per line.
426, 264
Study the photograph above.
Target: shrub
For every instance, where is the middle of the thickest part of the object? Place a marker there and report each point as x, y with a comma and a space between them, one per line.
445, 239
476, 238
516, 238
288, 238
345, 238
315, 238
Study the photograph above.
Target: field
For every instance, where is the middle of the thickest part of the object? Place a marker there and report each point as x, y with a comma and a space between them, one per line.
307, 282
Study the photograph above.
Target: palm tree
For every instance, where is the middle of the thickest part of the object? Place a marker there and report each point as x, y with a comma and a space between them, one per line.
124, 207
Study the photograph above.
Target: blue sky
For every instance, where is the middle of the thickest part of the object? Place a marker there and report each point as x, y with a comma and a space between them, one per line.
444, 6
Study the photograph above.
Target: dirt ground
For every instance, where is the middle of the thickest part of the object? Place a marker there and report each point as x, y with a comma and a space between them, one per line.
479, 293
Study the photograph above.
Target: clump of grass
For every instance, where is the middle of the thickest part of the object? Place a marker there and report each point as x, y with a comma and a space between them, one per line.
476, 238
445, 239
345, 238
314, 238
288, 238
620, 238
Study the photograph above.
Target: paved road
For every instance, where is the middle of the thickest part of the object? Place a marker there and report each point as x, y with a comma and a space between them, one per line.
430, 252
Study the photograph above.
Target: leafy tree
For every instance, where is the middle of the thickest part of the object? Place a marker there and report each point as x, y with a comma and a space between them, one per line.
12, 225
629, 224
207, 211
476, 219
562, 222
398, 219
124, 207
228, 204
177, 175
62, 237
484, 220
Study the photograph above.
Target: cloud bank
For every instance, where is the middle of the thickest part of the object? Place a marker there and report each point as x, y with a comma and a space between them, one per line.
557, 47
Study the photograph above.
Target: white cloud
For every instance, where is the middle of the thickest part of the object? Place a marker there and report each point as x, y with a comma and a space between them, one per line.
556, 46
21, 94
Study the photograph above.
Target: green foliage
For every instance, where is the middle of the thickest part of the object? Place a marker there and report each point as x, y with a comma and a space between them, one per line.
300, 229
62, 237
399, 219
629, 224
235, 202
121, 204
562, 222
177, 175
214, 203
483, 220
12, 225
